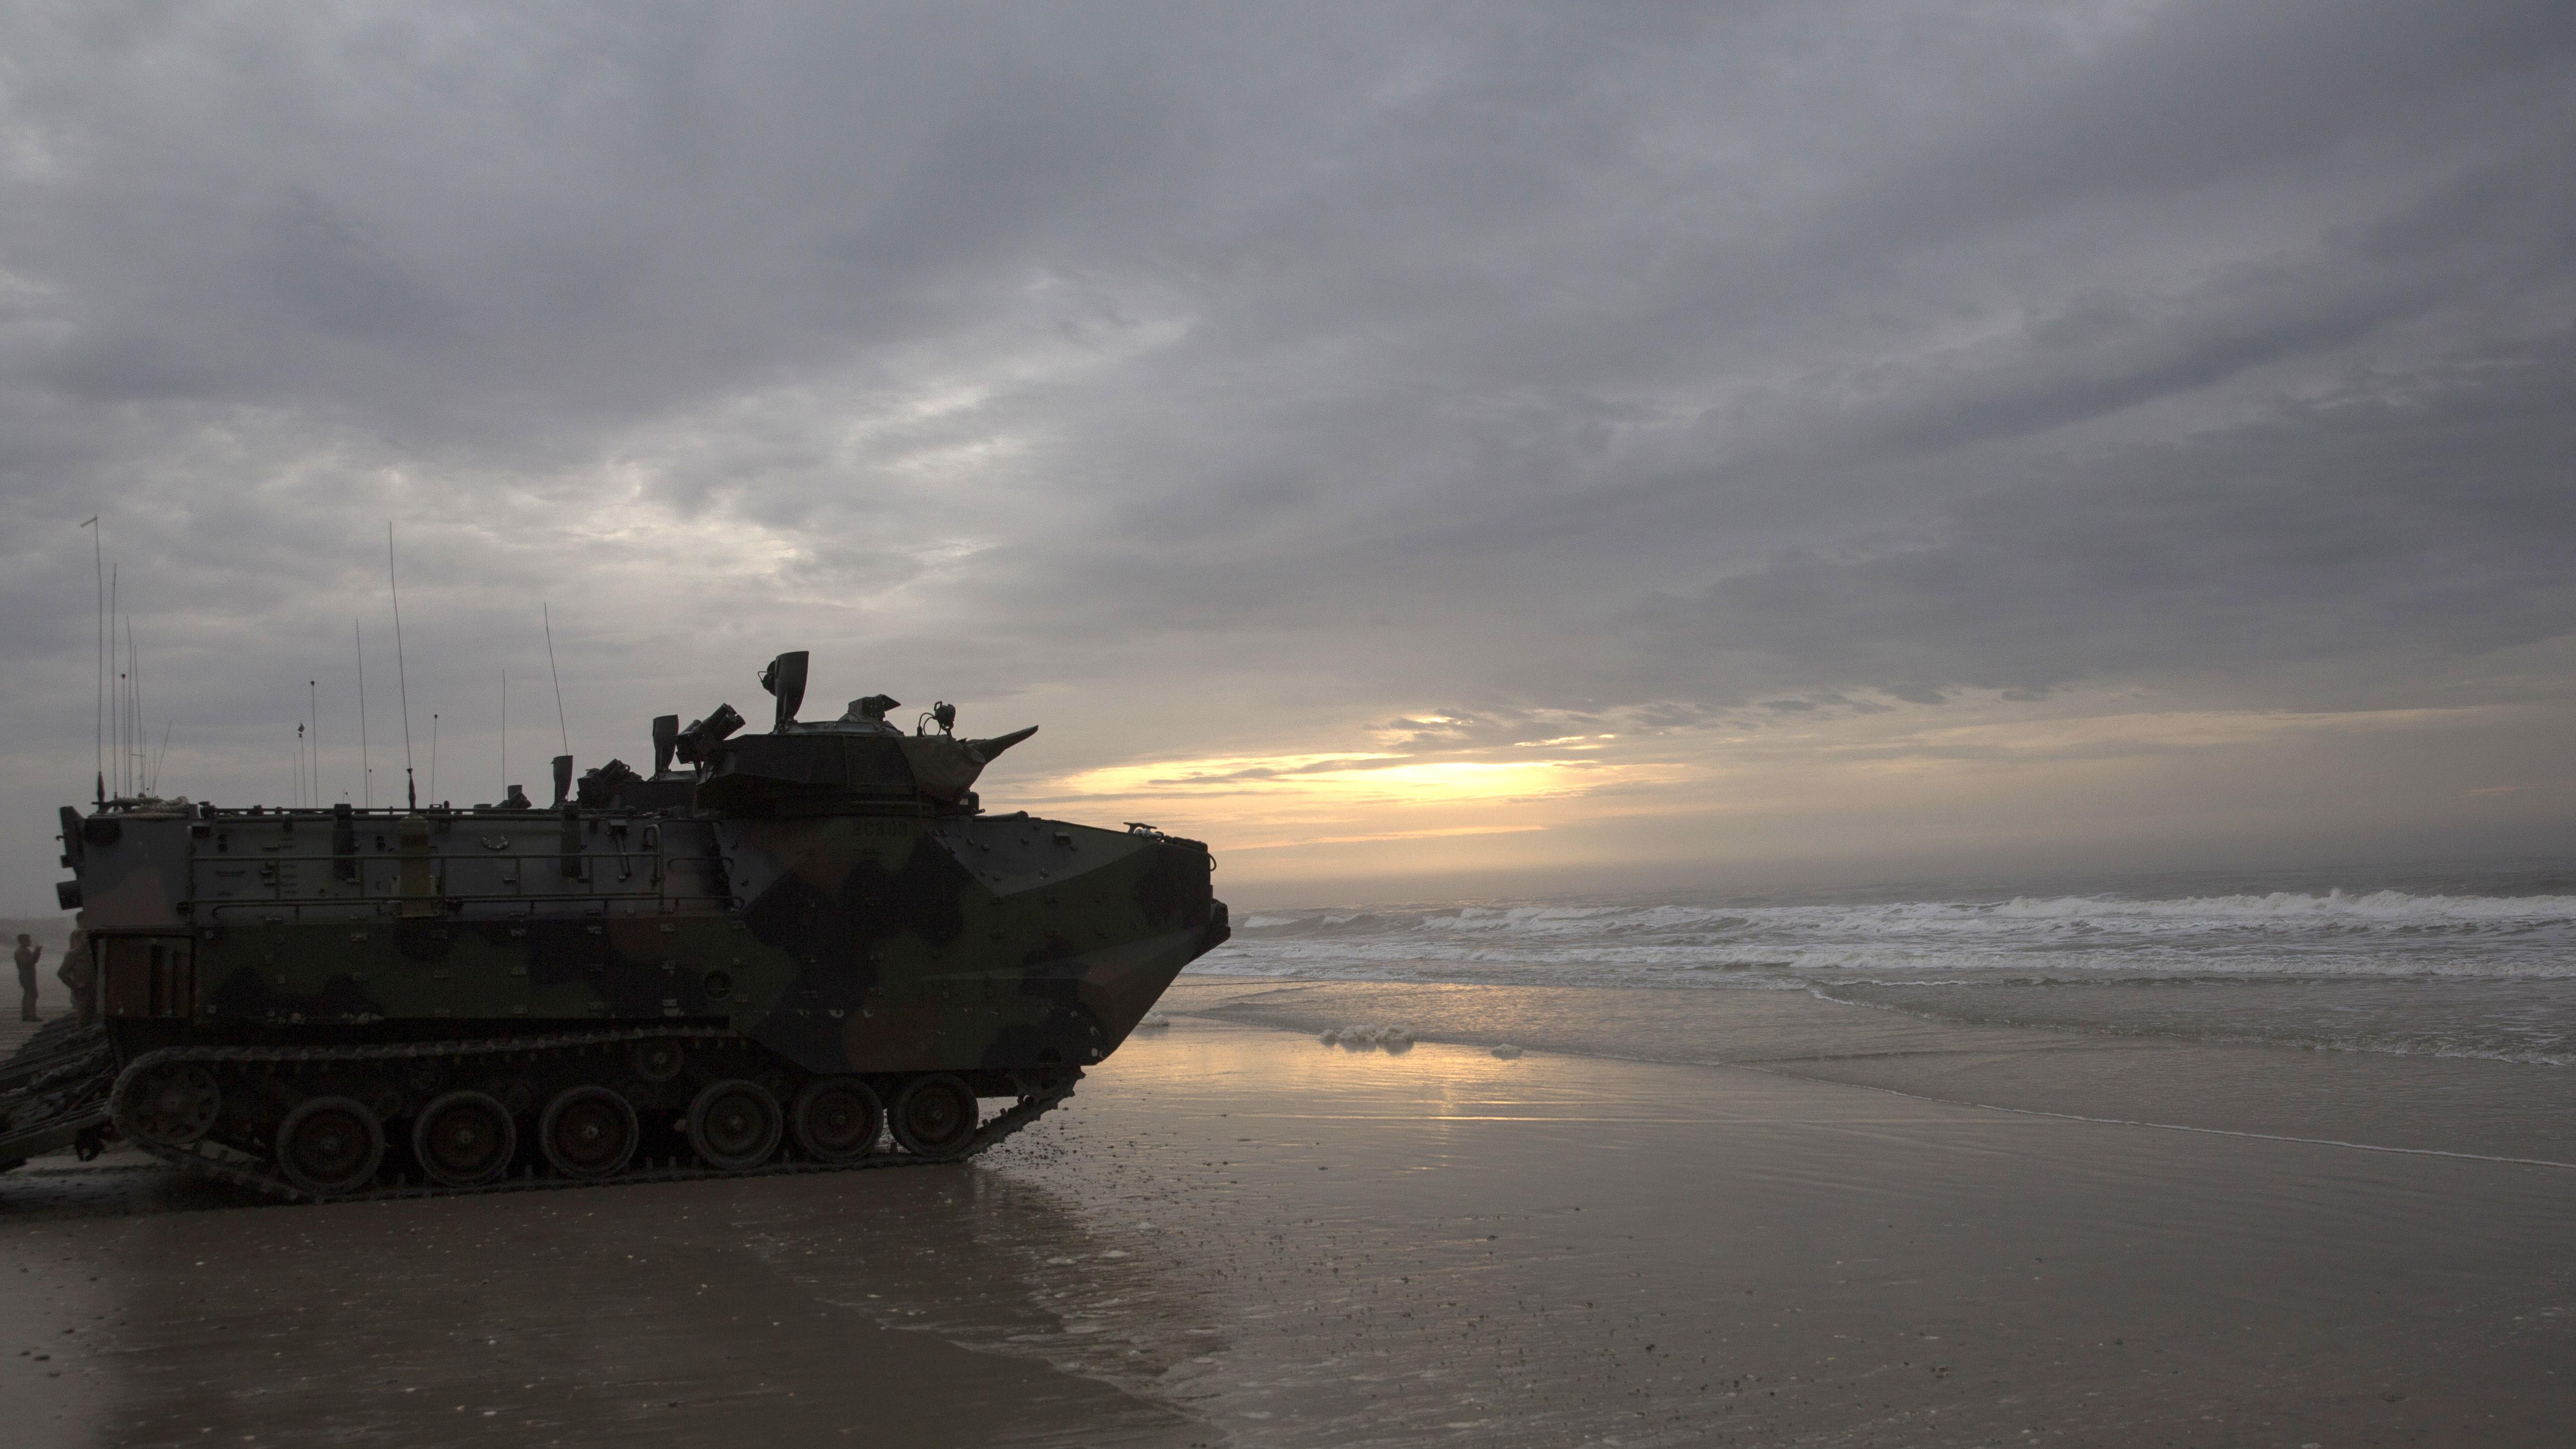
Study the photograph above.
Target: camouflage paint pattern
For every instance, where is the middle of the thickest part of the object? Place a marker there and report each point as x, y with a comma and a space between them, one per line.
876, 936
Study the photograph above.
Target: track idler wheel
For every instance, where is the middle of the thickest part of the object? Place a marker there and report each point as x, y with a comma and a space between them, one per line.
588, 1133
464, 1139
170, 1105
330, 1146
837, 1119
734, 1125
934, 1116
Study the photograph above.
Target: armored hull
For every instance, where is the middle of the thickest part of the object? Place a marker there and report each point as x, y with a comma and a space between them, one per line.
828, 943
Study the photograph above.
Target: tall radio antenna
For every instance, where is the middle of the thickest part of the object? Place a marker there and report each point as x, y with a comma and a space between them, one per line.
402, 677
366, 774
547, 613
98, 560
135, 729
115, 683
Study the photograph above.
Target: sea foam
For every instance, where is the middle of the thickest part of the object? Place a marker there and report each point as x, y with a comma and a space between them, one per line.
2516, 951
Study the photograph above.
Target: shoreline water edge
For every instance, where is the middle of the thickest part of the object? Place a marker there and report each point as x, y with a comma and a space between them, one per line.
2434, 1015
1676, 1207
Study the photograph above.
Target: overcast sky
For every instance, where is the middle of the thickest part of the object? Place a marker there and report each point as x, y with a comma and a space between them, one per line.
1411, 446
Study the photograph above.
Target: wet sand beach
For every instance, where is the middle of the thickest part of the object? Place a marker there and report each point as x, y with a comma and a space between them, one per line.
2414, 1103
1236, 1234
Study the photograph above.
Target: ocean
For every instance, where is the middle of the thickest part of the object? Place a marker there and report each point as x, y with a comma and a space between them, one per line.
2456, 962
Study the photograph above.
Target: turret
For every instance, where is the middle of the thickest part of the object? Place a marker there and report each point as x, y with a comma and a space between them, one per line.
860, 762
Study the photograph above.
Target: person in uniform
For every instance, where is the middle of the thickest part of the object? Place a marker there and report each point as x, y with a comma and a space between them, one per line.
29, 953
75, 974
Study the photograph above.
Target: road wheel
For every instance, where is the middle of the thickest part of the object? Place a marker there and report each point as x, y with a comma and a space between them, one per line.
464, 1139
734, 1125
171, 1105
934, 1116
837, 1119
330, 1146
588, 1132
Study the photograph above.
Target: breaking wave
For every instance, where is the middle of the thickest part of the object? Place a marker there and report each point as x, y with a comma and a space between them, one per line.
2377, 970
2375, 933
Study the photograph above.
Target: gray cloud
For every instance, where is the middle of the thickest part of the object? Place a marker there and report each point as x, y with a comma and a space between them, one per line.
2398, 526
1234, 382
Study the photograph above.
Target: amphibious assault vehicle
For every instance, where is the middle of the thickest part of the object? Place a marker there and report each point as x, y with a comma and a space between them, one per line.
772, 954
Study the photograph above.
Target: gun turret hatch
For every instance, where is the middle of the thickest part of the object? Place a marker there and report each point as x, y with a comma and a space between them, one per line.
868, 715
666, 738
785, 678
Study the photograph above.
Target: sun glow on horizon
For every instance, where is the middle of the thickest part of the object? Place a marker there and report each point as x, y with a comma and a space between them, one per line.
1352, 779
1292, 804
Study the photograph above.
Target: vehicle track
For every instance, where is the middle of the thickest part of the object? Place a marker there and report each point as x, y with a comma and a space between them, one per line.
234, 1166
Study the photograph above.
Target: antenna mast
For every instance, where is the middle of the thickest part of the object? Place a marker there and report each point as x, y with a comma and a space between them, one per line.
140, 732
116, 684
98, 560
402, 677
366, 776
548, 614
